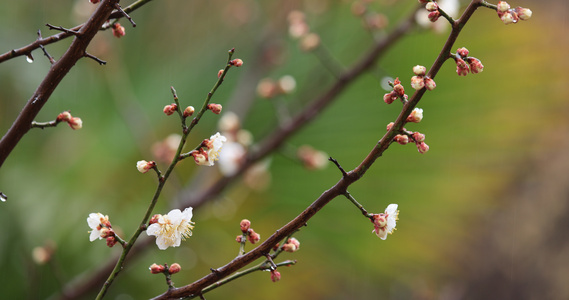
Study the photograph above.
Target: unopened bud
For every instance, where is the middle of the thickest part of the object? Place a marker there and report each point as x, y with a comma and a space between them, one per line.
418, 137
399, 89
239, 238
174, 268
508, 18
289, 248
245, 225
434, 16
432, 6
461, 67
390, 125
475, 65
422, 147
523, 13
170, 109
219, 73
275, 275
389, 97
75, 123
419, 70
236, 62
503, 6
416, 115
156, 269
215, 108
463, 52
118, 30
143, 166
111, 241
189, 111
253, 236
430, 83
63, 117
417, 82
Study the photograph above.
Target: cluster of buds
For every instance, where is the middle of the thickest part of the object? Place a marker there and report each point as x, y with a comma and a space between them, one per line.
465, 63
157, 269
235, 63
215, 108
384, 223
208, 151
421, 80
299, 29
73, 122
397, 93
101, 228
433, 8
269, 88
311, 158
409, 136
118, 30
170, 109
248, 233
512, 15
292, 245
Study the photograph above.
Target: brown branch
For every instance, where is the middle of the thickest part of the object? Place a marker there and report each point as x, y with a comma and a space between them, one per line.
339, 188
56, 73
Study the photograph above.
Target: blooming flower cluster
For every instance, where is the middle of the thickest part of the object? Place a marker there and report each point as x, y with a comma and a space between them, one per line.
101, 228
73, 122
172, 228
209, 150
384, 223
512, 15
466, 64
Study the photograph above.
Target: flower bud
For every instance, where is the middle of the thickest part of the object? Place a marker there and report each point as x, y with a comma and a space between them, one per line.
422, 147
154, 219
118, 30
419, 70
389, 97
430, 83
170, 109
523, 13
245, 225
417, 82
174, 268
461, 67
508, 18
236, 62
143, 166
289, 247
294, 241
275, 275
219, 73
463, 52
390, 125
402, 139
503, 6
399, 89
156, 269
188, 111
434, 16
416, 115
200, 157
475, 65
111, 241
239, 238
418, 137
253, 236
63, 117
432, 6
215, 108
75, 123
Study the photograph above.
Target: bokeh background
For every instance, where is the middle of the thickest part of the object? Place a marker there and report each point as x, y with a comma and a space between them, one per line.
483, 213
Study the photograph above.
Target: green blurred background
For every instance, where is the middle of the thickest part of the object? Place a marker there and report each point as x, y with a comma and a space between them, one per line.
483, 213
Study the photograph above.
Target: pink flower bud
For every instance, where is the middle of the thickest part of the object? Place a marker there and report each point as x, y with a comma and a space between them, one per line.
432, 6
399, 89
417, 82
418, 137
390, 125
461, 67
289, 248
416, 115
295, 242
245, 225
75, 123
156, 269
430, 84
253, 236
422, 147
523, 13
118, 30
154, 219
174, 268
434, 15
463, 52
236, 62
170, 109
63, 117
503, 6
389, 97
219, 73
402, 139
239, 238
508, 18
475, 65
215, 108
111, 241
419, 70
275, 275
188, 111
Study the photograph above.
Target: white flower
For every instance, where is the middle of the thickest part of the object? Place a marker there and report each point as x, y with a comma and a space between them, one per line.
214, 147
96, 222
384, 223
172, 228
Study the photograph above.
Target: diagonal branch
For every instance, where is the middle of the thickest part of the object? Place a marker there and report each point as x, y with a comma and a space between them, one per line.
56, 73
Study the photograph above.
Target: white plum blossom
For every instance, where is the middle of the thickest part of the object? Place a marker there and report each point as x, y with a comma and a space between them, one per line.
384, 223
172, 228
96, 222
216, 142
